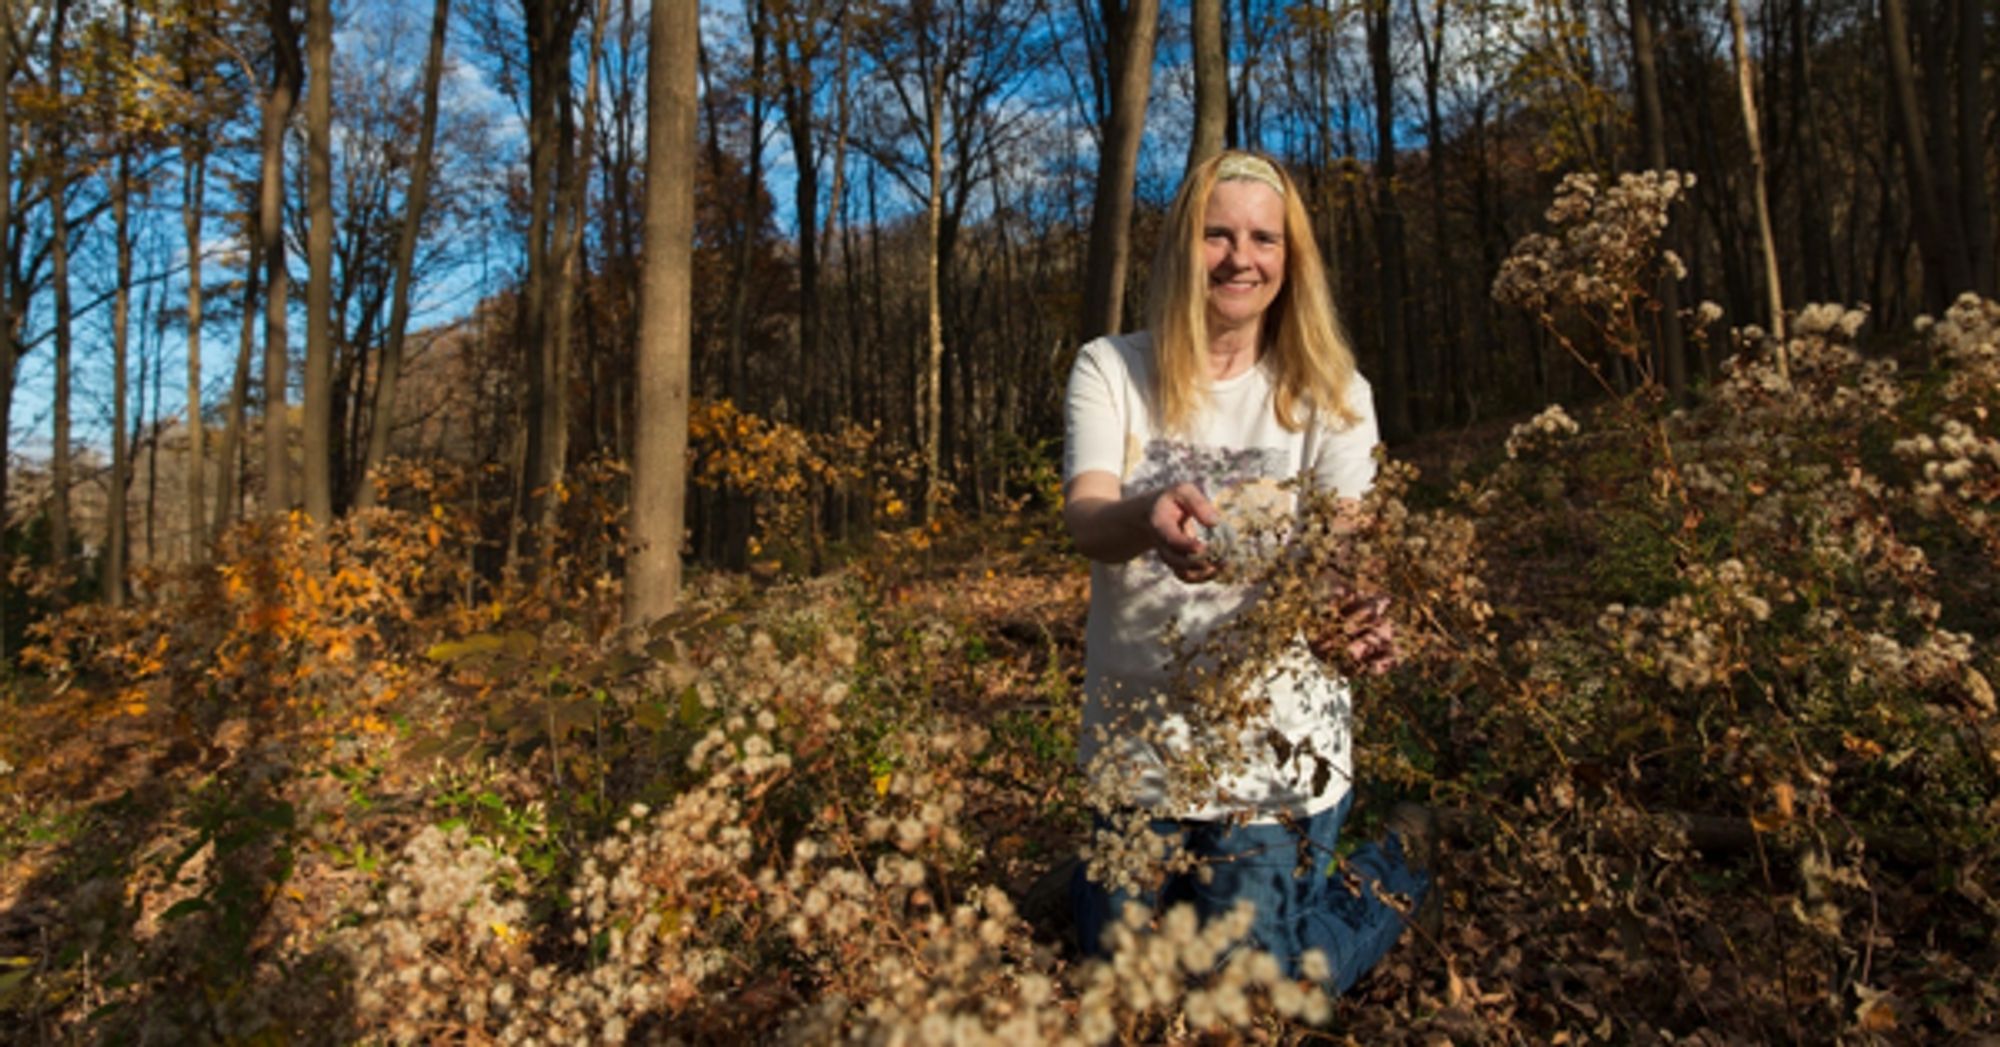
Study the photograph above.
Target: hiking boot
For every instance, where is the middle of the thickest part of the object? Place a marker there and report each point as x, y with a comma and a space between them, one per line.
1415, 826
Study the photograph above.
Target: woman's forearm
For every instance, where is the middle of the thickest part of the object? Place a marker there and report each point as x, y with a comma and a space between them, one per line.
1111, 528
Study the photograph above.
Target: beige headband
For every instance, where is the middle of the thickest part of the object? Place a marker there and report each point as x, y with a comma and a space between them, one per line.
1238, 167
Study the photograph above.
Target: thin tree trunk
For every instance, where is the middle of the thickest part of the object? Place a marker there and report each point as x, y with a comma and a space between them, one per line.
1444, 353
117, 524
1211, 82
197, 493
659, 469
383, 416
318, 436
1823, 282
1392, 273
229, 464
753, 192
7, 354
1130, 29
1975, 204
850, 407
550, 25
1653, 126
934, 315
572, 183
151, 424
1945, 268
797, 46
278, 104
1773, 291
59, 464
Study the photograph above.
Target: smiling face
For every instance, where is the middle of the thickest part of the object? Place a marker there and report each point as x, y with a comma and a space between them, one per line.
1243, 253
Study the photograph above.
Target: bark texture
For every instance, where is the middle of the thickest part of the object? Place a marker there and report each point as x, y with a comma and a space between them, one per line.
1132, 29
659, 466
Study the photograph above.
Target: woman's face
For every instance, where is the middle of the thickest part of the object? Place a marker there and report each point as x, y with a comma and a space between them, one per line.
1243, 252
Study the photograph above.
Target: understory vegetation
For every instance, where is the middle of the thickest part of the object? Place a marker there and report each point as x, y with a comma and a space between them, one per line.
1703, 691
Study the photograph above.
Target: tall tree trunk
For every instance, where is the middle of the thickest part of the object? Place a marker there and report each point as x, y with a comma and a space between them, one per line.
1130, 29
319, 263
1444, 352
1815, 218
572, 185
850, 407
59, 464
797, 47
1975, 203
738, 332
550, 26
1773, 290
659, 468
934, 313
8, 356
194, 190
285, 76
1946, 269
382, 418
1211, 82
1653, 127
1391, 272
117, 524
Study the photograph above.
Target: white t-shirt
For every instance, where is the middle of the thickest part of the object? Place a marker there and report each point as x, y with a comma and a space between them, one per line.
1238, 454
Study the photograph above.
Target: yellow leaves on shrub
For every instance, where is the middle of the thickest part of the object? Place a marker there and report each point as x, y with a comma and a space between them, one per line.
785, 470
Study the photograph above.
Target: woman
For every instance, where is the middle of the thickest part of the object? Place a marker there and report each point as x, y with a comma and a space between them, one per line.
1178, 436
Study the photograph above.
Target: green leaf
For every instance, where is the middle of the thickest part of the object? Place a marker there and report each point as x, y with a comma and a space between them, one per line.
691, 712
186, 907
517, 645
569, 717
651, 716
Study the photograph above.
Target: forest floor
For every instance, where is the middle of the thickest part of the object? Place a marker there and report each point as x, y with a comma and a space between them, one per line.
197, 834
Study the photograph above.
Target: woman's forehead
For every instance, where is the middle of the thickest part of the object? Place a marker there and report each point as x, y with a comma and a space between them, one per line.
1244, 198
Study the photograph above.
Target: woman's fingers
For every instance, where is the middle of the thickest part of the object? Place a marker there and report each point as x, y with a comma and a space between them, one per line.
1188, 566
1176, 513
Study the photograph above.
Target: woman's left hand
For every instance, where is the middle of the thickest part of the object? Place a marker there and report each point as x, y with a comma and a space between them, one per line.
1359, 634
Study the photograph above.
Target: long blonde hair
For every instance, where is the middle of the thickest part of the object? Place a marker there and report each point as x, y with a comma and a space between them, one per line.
1310, 359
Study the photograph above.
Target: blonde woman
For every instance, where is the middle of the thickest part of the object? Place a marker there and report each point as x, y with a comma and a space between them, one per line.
1179, 435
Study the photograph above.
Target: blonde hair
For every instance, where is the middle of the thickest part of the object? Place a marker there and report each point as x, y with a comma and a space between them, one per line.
1311, 361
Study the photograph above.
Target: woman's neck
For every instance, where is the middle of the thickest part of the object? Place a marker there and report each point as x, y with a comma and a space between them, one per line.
1232, 352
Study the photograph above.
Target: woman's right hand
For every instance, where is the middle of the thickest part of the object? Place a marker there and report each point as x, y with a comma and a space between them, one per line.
1112, 528
1176, 513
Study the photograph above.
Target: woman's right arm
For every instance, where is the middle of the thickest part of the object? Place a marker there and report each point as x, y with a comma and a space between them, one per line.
1107, 525
1113, 529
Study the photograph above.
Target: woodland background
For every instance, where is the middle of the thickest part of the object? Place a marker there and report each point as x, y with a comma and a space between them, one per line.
313, 653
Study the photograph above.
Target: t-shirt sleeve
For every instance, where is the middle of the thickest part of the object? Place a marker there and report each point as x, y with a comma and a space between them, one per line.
1344, 459
1094, 423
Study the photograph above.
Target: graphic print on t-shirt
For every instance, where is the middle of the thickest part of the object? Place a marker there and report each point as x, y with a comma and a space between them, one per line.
1246, 485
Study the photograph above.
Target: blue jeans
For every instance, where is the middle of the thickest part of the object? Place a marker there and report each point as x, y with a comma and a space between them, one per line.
1296, 913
